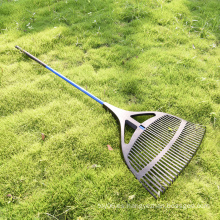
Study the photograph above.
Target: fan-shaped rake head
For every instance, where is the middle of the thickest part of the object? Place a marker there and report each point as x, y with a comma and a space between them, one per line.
160, 147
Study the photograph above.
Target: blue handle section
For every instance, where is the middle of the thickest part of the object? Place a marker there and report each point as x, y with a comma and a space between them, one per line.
75, 85
142, 127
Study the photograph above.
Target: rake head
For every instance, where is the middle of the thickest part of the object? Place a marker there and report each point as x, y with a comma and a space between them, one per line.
160, 147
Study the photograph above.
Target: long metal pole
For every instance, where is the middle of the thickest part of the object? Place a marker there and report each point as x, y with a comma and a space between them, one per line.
60, 75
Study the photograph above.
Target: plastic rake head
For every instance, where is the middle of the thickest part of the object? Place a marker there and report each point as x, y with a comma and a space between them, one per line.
160, 147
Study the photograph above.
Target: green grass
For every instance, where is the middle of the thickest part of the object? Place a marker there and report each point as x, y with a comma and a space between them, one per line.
137, 55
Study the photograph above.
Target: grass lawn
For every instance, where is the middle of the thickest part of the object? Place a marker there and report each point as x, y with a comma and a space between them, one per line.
138, 55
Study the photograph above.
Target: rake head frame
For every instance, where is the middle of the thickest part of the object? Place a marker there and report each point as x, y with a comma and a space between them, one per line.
160, 147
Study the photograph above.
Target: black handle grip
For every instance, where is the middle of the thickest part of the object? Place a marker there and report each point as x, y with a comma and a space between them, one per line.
31, 56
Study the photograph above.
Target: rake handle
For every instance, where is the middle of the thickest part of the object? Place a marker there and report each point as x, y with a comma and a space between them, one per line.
60, 75
31, 56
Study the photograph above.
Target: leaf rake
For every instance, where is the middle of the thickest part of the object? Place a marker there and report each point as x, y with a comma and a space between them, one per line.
160, 147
